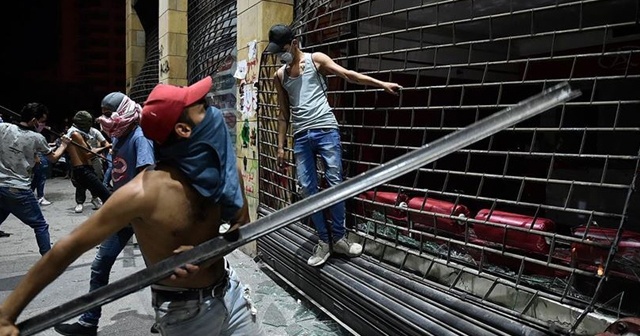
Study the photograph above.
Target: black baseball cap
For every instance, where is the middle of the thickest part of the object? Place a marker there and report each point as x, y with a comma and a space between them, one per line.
279, 36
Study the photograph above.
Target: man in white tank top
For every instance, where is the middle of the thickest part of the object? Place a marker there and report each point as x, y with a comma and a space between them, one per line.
301, 97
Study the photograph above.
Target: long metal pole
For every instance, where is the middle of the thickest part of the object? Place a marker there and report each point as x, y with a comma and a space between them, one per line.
222, 245
60, 136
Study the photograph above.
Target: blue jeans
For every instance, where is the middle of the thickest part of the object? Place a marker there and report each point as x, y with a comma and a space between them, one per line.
24, 205
101, 267
107, 174
40, 175
227, 314
326, 143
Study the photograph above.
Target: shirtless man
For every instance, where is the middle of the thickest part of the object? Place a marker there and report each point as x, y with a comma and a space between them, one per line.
99, 144
132, 154
82, 172
179, 203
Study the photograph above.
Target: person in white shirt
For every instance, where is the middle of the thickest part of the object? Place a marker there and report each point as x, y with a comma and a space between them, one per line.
19, 145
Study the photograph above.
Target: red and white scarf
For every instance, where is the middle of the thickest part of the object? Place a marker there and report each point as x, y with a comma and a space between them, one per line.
127, 113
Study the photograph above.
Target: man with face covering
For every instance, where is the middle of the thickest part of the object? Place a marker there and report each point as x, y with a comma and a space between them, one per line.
301, 94
132, 153
19, 145
178, 204
83, 173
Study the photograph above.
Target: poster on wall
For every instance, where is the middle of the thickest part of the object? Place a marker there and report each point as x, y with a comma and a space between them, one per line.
249, 102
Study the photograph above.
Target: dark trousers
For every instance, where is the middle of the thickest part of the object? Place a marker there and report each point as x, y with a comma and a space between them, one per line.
85, 178
24, 205
40, 171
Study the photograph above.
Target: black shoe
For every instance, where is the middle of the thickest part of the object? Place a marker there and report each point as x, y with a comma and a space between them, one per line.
154, 329
76, 329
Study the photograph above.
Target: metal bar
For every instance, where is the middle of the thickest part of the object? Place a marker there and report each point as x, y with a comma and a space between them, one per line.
222, 245
526, 154
518, 129
523, 178
466, 43
577, 302
431, 302
485, 106
610, 256
438, 23
525, 204
492, 250
60, 136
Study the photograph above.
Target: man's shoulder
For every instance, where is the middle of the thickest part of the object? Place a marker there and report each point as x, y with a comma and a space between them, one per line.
137, 133
32, 134
75, 135
317, 55
152, 184
39, 136
280, 71
143, 185
8, 129
138, 136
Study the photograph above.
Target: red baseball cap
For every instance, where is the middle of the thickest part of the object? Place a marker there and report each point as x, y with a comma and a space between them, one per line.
166, 103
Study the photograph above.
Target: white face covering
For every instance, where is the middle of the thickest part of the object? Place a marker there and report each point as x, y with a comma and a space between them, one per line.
285, 57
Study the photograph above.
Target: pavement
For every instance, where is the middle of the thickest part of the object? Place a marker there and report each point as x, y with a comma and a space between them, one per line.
281, 310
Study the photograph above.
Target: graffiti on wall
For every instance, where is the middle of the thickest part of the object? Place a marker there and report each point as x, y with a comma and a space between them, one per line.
246, 75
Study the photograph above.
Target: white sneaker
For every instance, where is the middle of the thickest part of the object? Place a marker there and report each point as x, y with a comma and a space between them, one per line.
97, 203
224, 227
343, 246
42, 201
320, 254
79, 208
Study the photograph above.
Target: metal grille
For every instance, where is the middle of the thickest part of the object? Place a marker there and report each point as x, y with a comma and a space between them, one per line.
212, 36
147, 79
542, 212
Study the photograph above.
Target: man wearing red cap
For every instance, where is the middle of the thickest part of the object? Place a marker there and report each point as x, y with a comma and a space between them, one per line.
179, 203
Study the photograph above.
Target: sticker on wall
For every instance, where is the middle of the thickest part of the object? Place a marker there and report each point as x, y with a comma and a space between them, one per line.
247, 139
249, 101
241, 70
253, 50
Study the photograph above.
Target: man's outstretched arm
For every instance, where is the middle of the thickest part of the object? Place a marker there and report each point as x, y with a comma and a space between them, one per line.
327, 66
121, 208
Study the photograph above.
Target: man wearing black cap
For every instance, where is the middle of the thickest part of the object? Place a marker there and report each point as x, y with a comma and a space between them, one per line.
301, 94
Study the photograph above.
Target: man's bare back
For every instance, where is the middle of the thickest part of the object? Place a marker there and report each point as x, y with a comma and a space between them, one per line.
172, 208
78, 156
175, 216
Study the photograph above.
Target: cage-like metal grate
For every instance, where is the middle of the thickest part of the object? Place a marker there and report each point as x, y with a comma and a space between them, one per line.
542, 211
212, 36
147, 79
